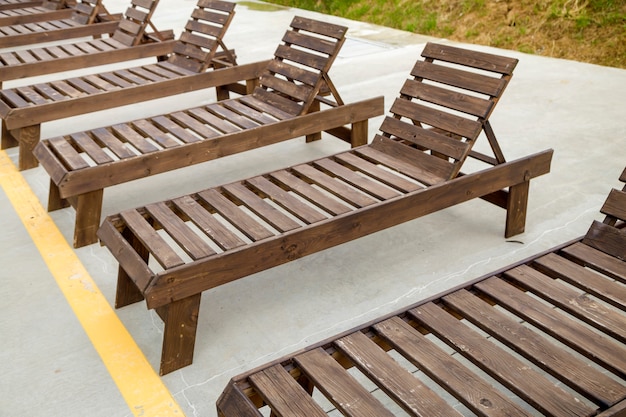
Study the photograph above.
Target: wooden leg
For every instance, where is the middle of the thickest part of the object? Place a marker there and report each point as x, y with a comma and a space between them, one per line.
516, 209
127, 292
27, 137
179, 336
55, 202
7, 141
88, 210
315, 106
359, 133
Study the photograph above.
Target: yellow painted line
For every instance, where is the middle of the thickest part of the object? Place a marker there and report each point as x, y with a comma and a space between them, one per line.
141, 387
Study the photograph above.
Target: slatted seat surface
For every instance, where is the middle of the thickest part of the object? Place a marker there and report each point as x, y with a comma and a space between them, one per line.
121, 46
88, 18
93, 160
19, 4
173, 250
546, 336
48, 10
24, 108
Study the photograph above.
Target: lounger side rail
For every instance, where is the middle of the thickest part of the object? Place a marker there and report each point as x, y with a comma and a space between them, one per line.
19, 4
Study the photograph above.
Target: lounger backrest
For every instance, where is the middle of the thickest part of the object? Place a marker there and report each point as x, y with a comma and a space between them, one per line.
86, 11
136, 18
609, 236
442, 110
299, 69
203, 34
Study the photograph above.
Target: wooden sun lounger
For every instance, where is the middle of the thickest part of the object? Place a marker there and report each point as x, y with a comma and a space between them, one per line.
19, 4
48, 10
546, 336
280, 108
129, 41
170, 252
198, 49
89, 18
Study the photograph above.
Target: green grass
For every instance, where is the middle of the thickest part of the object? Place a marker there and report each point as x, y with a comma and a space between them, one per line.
585, 30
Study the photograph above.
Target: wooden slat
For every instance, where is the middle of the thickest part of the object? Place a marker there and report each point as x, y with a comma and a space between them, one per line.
67, 154
153, 242
313, 195
114, 144
131, 136
559, 325
375, 171
219, 233
95, 152
597, 260
339, 386
469, 388
607, 290
615, 204
570, 370
607, 239
459, 78
572, 301
501, 365
231, 116
184, 119
284, 394
260, 207
179, 231
393, 155
154, 133
408, 391
361, 182
281, 197
474, 59
339, 189
242, 221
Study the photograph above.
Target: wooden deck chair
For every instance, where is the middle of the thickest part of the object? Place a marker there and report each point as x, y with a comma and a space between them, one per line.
199, 48
169, 252
291, 86
89, 18
129, 41
545, 336
48, 10
19, 4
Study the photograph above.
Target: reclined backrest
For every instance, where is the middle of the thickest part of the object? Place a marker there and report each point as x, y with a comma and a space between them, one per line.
444, 107
609, 236
136, 18
203, 34
86, 11
299, 69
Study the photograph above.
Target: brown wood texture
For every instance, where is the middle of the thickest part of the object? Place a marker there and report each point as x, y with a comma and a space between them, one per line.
29, 106
123, 45
282, 216
191, 136
515, 342
33, 14
19, 4
84, 21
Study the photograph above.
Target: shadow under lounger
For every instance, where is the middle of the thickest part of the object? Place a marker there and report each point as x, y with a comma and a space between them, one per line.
545, 336
170, 252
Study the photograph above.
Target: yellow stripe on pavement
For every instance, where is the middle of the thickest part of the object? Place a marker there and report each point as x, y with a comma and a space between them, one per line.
141, 387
